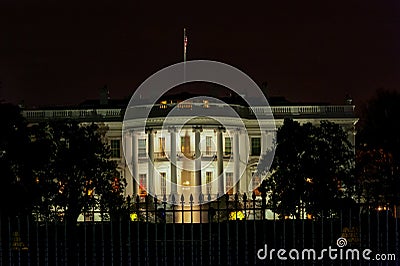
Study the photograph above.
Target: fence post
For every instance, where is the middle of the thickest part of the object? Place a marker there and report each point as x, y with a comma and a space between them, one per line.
253, 197
139, 215
245, 227
173, 226
236, 228
201, 200
183, 229
165, 256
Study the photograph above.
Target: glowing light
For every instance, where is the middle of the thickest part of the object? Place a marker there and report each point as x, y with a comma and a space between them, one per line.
163, 104
134, 217
380, 208
236, 215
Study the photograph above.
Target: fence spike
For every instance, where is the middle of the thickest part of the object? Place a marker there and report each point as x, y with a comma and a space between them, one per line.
201, 198
137, 199
173, 199
244, 197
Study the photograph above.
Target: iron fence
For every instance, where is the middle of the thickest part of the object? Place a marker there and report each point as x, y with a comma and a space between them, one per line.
230, 231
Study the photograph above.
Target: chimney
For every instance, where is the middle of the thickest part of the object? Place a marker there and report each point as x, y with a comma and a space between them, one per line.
349, 99
104, 95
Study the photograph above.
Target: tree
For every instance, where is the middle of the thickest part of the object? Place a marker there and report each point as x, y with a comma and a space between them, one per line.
376, 177
312, 169
73, 170
379, 124
15, 195
378, 149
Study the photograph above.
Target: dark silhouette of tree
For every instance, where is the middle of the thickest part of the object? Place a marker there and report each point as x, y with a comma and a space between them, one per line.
379, 124
15, 197
376, 177
378, 149
312, 170
73, 170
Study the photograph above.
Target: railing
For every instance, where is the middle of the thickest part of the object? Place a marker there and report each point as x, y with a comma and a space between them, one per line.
233, 232
162, 110
73, 114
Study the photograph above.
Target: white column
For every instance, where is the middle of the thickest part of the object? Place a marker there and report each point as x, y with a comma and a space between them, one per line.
150, 139
172, 156
197, 179
220, 161
236, 160
271, 138
127, 162
135, 162
264, 142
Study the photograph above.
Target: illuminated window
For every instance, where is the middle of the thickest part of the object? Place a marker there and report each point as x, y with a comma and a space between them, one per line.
255, 146
208, 182
185, 105
208, 145
163, 177
142, 185
161, 142
115, 148
228, 146
185, 145
163, 104
205, 104
142, 148
229, 183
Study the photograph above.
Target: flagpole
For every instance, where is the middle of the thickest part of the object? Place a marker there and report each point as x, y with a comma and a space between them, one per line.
184, 44
184, 53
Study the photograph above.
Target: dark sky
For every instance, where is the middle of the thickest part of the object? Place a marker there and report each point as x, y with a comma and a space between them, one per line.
62, 52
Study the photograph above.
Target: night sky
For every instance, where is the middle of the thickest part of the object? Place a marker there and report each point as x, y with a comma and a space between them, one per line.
62, 52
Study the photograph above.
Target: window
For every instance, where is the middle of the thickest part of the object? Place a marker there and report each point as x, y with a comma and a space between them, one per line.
255, 146
229, 183
228, 146
208, 182
161, 142
142, 185
142, 147
208, 145
185, 145
115, 148
163, 177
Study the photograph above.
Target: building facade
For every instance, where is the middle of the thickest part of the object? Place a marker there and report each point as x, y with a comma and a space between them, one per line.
201, 155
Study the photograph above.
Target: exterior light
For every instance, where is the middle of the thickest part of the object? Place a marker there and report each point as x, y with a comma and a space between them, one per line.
236, 215
134, 217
